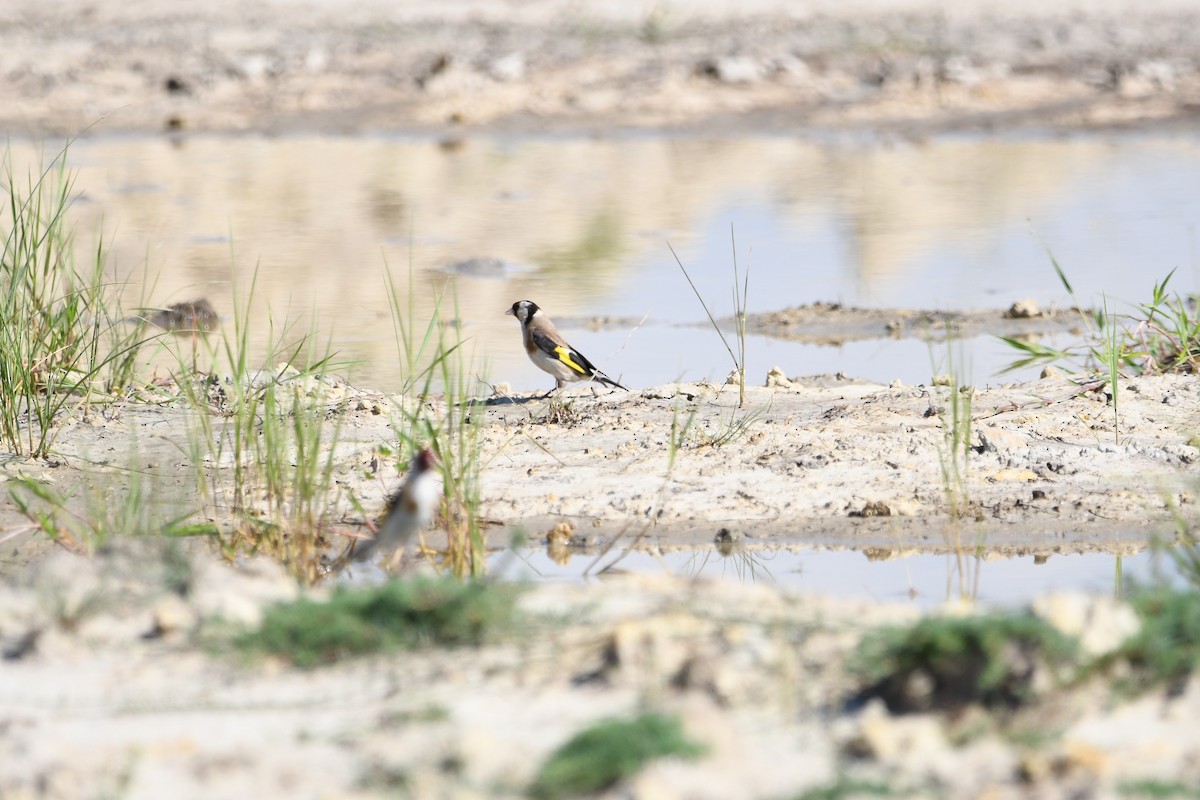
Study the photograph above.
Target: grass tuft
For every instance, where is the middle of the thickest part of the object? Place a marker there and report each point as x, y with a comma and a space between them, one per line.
597, 757
1158, 790
397, 615
954, 452
436, 358
263, 439
61, 342
1167, 648
953, 407
951, 662
741, 290
262, 442
1161, 336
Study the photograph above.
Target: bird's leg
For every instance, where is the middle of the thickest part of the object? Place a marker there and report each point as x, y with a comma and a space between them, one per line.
392, 565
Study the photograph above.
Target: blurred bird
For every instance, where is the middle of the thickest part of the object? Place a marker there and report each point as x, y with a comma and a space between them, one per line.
194, 316
409, 510
549, 351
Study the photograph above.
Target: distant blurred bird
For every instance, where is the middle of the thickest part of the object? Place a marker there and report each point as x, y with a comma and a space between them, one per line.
409, 510
194, 316
549, 351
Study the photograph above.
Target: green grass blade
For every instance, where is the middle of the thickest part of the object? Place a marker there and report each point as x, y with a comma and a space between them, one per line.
711, 318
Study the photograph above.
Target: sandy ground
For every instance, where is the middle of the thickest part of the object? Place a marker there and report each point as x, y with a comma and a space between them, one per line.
106, 687
828, 461
837, 461
584, 65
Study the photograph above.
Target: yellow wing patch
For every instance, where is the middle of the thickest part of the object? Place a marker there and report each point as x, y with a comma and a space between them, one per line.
564, 355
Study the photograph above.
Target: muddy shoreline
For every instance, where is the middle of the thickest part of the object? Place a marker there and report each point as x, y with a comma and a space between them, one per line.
1044, 456
825, 461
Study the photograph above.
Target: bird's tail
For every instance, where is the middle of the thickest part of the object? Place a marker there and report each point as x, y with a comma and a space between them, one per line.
358, 550
363, 548
601, 378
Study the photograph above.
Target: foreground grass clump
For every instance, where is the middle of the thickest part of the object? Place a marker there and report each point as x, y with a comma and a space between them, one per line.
946, 663
397, 615
597, 757
434, 356
1167, 648
62, 342
1157, 789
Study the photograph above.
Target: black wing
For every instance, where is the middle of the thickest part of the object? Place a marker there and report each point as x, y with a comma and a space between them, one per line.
571, 357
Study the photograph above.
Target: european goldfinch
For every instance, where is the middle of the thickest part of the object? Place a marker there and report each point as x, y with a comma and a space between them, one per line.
409, 510
549, 351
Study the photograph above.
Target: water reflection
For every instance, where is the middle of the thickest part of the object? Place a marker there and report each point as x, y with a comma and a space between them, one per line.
942, 224
732, 562
926, 578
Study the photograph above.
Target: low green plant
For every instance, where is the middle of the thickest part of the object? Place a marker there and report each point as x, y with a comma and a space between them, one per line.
949, 662
177, 573
609, 751
295, 461
1166, 650
680, 432
1169, 332
1158, 790
559, 412
1112, 355
390, 780
741, 290
402, 614
1158, 337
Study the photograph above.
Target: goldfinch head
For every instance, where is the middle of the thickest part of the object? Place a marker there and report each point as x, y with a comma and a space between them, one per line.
523, 310
423, 461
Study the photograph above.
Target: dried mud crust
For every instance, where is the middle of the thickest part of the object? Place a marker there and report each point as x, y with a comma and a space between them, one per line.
830, 461
281, 67
834, 323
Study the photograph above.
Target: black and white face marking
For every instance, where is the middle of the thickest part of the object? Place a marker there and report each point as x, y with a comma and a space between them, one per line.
523, 310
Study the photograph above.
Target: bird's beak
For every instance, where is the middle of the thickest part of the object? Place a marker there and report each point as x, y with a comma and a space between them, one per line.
509, 312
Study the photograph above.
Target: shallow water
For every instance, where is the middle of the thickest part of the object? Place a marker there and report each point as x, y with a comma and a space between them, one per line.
926, 580
584, 224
